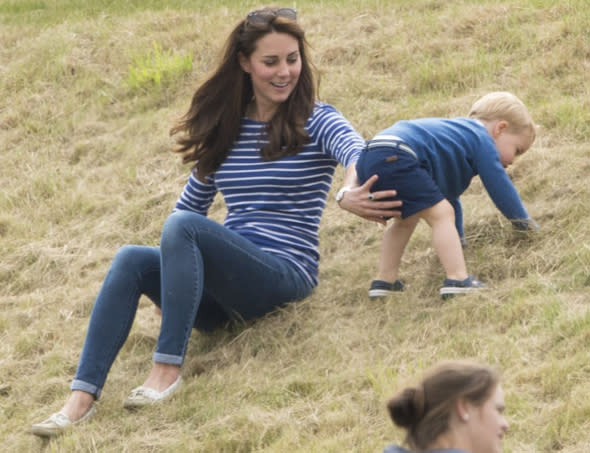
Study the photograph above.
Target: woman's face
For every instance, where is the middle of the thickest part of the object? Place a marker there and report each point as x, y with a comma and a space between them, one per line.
488, 424
274, 68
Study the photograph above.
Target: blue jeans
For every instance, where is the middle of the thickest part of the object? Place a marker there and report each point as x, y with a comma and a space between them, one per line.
201, 276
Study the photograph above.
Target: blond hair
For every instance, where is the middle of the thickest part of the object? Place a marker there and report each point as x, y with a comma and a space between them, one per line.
502, 105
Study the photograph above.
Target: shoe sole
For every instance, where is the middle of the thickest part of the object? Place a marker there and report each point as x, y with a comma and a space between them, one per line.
379, 293
452, 291
48, 432
136, 404
55, 431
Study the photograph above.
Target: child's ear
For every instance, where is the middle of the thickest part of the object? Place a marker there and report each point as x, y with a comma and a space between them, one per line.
499, 127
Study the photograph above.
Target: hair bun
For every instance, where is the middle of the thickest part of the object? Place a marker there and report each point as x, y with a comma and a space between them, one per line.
407, 408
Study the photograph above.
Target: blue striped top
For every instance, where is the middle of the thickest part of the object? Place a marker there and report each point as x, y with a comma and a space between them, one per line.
278, 204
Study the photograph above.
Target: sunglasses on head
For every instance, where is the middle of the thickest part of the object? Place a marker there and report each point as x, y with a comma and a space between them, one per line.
263, 16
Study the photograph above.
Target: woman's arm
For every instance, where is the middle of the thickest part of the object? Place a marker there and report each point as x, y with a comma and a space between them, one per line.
340, 140
197, 196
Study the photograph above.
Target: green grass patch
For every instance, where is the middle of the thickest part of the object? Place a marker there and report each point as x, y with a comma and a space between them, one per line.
158, 68
89, 91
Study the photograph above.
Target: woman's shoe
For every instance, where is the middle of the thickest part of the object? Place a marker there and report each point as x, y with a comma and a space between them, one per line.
58, 423
144, 396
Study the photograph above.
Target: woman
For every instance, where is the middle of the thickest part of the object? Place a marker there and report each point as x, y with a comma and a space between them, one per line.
255, 133
457, 408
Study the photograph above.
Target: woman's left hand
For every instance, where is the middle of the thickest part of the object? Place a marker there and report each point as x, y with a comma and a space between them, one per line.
364, 203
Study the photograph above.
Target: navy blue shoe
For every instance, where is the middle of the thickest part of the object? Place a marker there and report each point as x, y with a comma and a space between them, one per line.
381, 288
469, 285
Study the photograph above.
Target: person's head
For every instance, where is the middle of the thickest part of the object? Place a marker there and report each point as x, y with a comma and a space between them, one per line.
458, 404
271, 53
508, 122
265, 62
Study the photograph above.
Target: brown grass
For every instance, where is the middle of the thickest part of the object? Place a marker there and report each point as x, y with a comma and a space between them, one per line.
85, 167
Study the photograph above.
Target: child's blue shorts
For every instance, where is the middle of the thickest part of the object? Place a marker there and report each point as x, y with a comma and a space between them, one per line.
399, 169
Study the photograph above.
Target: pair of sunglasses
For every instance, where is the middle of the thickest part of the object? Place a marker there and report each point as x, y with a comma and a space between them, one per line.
263, 16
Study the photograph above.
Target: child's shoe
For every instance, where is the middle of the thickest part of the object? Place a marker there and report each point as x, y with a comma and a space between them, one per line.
381, 288
469, 285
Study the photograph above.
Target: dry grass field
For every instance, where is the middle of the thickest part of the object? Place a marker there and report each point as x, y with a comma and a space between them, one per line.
88, 92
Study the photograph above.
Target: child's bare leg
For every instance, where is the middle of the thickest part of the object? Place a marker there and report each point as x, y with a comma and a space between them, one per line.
445, 239
395, 239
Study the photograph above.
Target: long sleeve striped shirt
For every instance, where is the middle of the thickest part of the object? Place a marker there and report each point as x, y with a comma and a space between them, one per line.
278, 204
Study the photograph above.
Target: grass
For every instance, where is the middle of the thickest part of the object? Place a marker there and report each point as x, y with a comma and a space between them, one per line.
157, 68
85, 167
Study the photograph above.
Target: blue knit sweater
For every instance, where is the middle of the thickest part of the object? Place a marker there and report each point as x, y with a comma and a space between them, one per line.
453, 151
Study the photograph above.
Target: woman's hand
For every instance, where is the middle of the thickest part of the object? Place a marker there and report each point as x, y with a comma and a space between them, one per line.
360, 201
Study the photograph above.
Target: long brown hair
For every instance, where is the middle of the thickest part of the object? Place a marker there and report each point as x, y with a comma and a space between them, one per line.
425, 410
212, 122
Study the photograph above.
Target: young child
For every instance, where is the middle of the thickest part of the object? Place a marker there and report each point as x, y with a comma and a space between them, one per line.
430, 162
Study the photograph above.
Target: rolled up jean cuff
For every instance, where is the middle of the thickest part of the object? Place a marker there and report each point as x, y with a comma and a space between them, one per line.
86, 387
167, 358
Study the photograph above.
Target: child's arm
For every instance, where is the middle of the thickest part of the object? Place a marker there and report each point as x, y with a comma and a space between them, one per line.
505, 196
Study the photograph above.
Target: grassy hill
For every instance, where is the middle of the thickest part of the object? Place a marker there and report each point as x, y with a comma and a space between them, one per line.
88, 92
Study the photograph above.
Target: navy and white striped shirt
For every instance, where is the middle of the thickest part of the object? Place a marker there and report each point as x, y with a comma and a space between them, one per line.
278, 204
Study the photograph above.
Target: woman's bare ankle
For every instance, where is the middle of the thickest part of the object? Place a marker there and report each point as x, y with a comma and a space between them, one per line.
78, 404
162, 376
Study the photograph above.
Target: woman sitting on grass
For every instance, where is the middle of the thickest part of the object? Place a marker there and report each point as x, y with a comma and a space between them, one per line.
255, 133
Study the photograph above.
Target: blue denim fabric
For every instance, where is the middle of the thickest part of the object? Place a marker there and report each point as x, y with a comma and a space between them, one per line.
201, 276
400, 170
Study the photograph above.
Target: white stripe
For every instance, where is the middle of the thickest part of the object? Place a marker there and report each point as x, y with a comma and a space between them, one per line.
391, 140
